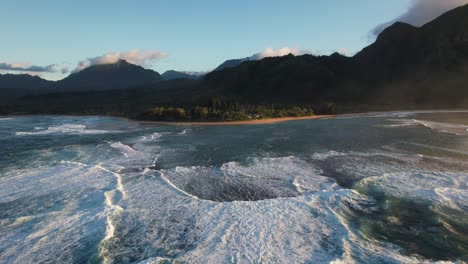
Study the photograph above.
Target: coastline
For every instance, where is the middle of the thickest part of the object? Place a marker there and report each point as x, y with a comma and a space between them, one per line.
246, 122
242, 122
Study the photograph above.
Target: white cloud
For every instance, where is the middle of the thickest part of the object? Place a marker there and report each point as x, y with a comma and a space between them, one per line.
23, 67
142, 58
344, 51
421, 12
270, 52
195, 73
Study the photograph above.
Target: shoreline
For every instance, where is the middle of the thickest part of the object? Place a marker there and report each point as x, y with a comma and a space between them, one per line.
241, 122
246, 122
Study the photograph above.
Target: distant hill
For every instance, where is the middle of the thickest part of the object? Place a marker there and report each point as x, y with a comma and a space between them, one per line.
22, 81
172, 75
119, 75
231, 63
287, 79
14, 86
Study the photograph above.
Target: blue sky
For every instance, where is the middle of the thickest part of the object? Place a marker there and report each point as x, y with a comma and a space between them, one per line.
188, 35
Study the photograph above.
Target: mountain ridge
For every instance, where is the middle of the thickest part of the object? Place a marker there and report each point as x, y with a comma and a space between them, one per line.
172, 75
406, 64
117, 75
406, 67
232, 63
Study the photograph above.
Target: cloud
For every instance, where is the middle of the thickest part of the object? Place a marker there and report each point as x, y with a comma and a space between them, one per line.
27, 68
421, 12
344, 52
270, 52
142, 58
64, 70
196, 73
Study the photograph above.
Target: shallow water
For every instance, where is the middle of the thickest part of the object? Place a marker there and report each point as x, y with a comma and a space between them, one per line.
376, 188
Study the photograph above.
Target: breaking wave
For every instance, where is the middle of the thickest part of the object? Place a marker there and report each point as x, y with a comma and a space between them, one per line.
261, 179
456, 129
153, 137
73, 129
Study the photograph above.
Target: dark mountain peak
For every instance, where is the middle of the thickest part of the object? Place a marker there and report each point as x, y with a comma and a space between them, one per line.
172, 75
22, 81
441, 43
170, 72
119, 65
19, 76
23, 76
337, 56
396, 30
399, 25
231, 63
118, 75
290, 55
122, 61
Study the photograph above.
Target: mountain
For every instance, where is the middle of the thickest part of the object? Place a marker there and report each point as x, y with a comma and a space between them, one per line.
172, 75
118, 75
22, 81
13, 86
231, 63
405, 67
287, 79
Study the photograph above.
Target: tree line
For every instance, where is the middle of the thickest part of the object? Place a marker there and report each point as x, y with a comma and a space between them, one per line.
219, 110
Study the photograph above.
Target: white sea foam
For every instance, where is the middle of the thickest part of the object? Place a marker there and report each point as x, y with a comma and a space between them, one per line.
125, 149
176, 188
312, 227
71, 201
58, 205
449, 189
111, 211
74, 129
135, 155
309, 229
453, 198
118, 177
411, 113
457, 129
259, 179
393, 114
184, 132
328, 154
153, 137
73, 162
113, 199
449, 150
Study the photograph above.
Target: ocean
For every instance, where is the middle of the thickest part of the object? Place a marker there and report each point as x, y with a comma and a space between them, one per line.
370, 188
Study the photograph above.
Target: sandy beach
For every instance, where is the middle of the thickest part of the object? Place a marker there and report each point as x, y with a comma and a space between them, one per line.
243, 122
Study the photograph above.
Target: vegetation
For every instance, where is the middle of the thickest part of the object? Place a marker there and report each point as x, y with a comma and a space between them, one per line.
218, 110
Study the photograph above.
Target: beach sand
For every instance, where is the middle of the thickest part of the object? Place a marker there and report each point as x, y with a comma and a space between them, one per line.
243, 122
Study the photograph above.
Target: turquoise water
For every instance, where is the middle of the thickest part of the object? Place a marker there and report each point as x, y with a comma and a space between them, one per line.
376, 188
